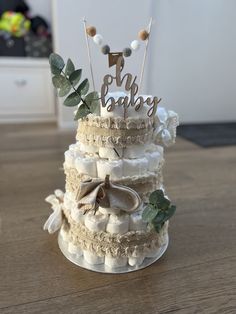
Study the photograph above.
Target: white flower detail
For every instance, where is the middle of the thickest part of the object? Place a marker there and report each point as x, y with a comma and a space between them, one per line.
54, 221
165, 132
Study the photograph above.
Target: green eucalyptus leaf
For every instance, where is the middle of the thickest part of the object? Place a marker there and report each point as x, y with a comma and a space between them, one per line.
156, 196
72, 100
83, 87
69, 67
149, 214
65, 89
170, 212
56, 63
93, 102
75, 77
158, 226
160, 217
82, 112
58, 81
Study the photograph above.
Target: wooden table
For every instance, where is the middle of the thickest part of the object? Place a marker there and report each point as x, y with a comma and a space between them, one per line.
196, 275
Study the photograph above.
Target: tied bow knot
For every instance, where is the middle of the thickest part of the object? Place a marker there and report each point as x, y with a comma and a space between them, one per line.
93, 193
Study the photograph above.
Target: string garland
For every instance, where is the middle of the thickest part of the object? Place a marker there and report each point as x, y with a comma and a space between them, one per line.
105, 48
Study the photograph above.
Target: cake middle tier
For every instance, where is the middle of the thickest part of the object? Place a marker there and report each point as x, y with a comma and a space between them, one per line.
143, 184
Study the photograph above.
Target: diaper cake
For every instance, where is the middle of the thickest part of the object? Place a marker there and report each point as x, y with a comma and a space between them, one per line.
114, 214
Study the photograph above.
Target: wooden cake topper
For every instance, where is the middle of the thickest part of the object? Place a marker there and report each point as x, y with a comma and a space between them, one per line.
129, 82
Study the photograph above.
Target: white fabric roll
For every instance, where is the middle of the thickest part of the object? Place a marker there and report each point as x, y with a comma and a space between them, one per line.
59, 194
110, 153
115, 262
69, 202
152, 253
142, 112
134, 167
106, 211
77, 215
118, 224
87, 166
96, 222
154, 159
88, 148
135, 261
114, 168
136, 222
134, 151
64, 234
93, 259
73, 249
118, 111
69, 158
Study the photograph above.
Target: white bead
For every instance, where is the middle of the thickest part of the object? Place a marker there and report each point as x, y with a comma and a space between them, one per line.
98, 39
135, 45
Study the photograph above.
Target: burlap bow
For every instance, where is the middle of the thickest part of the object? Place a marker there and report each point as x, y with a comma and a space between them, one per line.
93, 193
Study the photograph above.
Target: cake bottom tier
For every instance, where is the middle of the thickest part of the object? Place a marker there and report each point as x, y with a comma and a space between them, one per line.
86, 260
111, 253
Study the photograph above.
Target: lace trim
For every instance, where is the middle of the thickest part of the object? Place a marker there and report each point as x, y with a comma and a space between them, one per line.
130, 244
114, 141
141, 184
118, 122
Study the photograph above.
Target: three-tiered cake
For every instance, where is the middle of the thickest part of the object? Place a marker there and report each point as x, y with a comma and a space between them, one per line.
114, 214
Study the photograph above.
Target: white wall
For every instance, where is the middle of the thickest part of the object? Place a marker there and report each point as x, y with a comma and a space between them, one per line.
193, 66
113, 19
191, 62
41, 7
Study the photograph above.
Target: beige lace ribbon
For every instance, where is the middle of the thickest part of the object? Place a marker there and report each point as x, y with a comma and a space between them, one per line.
132, 243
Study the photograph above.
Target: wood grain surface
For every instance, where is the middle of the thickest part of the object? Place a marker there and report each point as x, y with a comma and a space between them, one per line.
196, 275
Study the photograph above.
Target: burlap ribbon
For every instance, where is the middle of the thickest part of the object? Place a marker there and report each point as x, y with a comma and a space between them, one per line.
96, 192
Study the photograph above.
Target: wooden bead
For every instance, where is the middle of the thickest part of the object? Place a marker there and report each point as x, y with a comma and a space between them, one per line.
127, 52
105, 49
143, 34
98, 39
91, 31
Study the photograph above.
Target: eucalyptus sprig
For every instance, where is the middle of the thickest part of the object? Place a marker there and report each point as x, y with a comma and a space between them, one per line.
66, 79
158, 210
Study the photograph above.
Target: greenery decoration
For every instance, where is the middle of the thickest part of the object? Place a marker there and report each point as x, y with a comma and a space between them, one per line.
158, 210
66, 79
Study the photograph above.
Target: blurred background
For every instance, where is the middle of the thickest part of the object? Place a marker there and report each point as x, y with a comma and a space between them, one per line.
190, 63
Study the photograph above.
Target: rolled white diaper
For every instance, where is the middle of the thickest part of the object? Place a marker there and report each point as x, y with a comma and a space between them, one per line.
86, 166
134, 151
154, 159
118, 111
112, 167
136, 222
118, 224
64, 234
136, 261
142, 112
106, 211
74, 249
69, 201
115, 262
152, 253
77, 215
93, 259
95, 222
135, 167
69, 158
110, 153
88, 148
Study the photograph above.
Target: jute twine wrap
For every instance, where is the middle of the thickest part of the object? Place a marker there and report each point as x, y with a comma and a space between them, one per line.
114, 132
141, 184
130, 244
